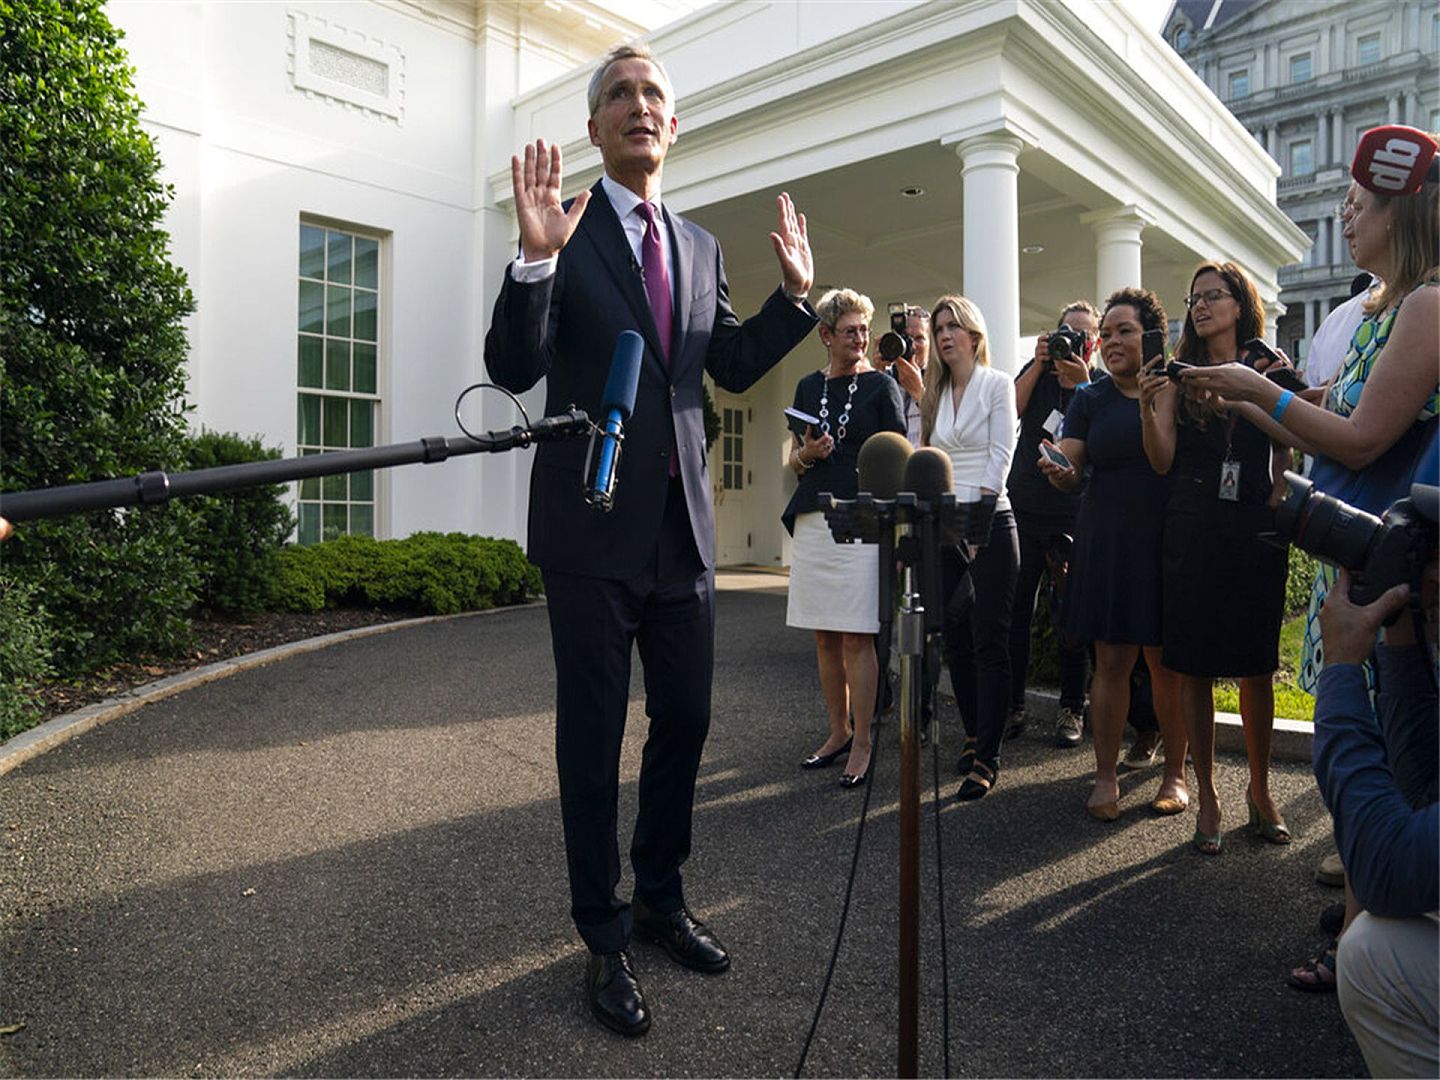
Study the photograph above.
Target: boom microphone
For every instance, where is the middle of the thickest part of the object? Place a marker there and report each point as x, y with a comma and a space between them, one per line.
882, 463
617, 403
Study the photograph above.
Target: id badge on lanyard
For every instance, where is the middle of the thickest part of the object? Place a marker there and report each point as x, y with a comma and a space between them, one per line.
1229, 470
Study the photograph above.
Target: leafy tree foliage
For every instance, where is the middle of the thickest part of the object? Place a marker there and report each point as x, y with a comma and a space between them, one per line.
91, 336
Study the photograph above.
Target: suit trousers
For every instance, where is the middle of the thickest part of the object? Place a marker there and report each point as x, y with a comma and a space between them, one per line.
1039, 547
668, 610
977, 643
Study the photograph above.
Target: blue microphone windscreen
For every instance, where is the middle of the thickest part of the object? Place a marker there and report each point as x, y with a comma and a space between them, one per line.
624, 377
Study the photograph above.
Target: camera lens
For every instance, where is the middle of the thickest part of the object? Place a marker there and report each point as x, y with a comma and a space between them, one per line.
893, 346
1324, 526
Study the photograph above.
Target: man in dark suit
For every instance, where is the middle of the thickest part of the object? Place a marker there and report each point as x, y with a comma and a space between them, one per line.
614, 259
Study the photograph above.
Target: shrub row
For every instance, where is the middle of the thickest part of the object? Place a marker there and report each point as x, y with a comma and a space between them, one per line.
433, 573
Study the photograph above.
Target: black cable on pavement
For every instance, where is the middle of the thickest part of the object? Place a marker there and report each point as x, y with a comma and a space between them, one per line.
845, 907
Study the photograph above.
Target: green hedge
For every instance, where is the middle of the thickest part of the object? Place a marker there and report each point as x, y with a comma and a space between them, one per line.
236, 536
25, 655
434, 573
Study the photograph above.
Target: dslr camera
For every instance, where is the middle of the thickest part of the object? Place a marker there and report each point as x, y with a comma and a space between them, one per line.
895, 343
1065, 344
1380, 552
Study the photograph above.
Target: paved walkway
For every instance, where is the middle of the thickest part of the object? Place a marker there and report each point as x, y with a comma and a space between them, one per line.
348, 863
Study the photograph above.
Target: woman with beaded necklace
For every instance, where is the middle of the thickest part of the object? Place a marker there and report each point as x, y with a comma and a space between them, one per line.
834, 587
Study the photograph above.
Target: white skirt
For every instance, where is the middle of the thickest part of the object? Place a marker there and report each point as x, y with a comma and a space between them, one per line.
832, 586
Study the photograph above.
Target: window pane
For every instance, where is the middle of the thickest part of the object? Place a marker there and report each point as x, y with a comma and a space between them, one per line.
312, 251
364, 315
309, 523
336, 415
311, 363
1300, 68
1301, 159
309, 425
729, 421
338, 265
362, 520
310, 489
739, 422
361, 433
335, 488
334, 522
362, 486
364, 368
312, 307
367, 262
337, 311
337, 365
739, 478
1368, 51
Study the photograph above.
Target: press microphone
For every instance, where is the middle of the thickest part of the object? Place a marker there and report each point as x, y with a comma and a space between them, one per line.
882, 464
616, 403
928, 475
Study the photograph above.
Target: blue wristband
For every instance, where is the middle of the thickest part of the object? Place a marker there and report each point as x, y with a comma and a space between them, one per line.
1278, 412
1082, 385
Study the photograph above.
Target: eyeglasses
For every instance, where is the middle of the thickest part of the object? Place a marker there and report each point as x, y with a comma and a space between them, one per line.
1346, 208
1209, 296
853, 332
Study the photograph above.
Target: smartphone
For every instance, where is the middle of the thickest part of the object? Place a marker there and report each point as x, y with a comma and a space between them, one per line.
1284, 376
1152, 348
1055, 456
1175, 368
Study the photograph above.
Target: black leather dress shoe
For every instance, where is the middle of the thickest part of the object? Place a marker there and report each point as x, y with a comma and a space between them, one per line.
614, 994
688, 941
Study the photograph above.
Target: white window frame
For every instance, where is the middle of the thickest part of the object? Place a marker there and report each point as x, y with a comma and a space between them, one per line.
1308, 55
322, 492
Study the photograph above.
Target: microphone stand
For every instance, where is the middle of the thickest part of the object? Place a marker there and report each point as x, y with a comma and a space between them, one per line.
151, 488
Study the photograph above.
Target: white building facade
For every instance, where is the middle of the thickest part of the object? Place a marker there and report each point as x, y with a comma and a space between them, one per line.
342, 203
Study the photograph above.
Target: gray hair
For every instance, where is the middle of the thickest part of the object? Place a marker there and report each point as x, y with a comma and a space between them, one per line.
633, 50
837, 303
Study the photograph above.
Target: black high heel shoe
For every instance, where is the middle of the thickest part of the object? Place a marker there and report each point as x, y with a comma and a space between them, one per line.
849, 780
820, 761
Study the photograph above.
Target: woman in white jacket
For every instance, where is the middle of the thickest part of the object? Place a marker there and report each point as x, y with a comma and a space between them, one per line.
968, 411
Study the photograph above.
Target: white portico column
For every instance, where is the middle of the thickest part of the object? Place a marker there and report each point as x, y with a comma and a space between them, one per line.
1273, 310
1117, 247
992, 238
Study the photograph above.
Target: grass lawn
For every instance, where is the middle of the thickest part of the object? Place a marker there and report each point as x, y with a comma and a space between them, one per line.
1291, 703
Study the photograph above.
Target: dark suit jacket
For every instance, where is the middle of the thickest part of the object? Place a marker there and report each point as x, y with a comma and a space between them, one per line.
564, 329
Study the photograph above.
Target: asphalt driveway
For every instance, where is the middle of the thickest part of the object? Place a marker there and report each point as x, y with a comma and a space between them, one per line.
349, 863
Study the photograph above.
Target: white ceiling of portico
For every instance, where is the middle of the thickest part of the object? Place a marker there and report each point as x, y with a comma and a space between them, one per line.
869, 236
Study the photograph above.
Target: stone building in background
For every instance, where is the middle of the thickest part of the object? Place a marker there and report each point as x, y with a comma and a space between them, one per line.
1306, 78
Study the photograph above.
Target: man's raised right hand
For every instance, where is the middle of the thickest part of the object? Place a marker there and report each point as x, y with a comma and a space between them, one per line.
545, 225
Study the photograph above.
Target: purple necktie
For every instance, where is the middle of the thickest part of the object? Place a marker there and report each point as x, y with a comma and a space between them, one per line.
657, 281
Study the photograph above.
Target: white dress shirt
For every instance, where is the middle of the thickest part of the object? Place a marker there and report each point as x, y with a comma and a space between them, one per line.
980, 435
627, 205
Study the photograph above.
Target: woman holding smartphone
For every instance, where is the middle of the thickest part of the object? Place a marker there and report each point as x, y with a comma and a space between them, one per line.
1224, 585
1113, 594
834, 588
968, 411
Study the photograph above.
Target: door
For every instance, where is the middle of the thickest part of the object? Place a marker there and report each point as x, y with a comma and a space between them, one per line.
730, 480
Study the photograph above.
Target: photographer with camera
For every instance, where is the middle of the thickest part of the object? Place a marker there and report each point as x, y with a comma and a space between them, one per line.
1377, 770
904, 351
1224, 586
1380, 410
1045, 515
